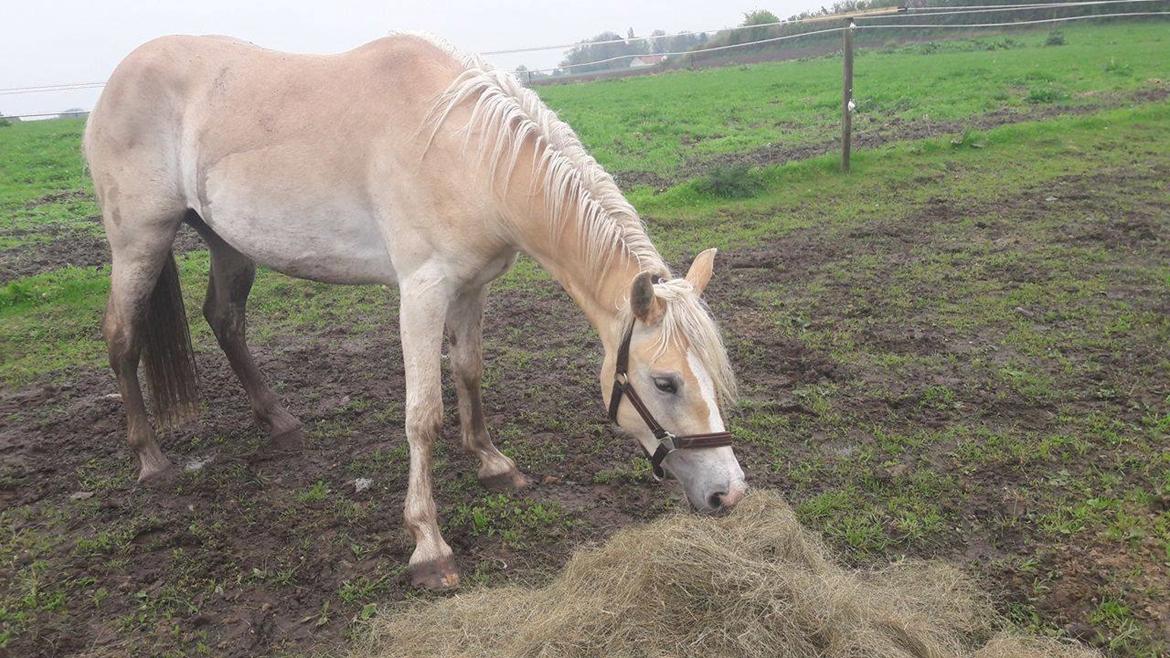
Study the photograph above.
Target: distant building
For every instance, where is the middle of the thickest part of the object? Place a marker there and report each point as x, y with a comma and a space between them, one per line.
642, 61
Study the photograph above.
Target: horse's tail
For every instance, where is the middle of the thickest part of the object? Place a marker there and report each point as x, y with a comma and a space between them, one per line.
168, 359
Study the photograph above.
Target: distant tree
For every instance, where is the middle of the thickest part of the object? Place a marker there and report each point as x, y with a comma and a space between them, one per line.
604, 46
659, 41
760, 17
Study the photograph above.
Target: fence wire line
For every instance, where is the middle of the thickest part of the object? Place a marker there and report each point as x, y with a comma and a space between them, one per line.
811, 19
692, 52
1005, 8
1033, 22
37, 90
893, 12
92, 85
869, 27
1033, 5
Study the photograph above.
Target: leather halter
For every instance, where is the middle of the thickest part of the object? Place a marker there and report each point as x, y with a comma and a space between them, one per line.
667, 442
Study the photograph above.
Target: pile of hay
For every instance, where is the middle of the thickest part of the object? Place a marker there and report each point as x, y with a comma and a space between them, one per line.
754, 583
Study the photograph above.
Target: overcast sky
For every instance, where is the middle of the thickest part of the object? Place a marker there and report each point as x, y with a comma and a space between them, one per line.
48, 42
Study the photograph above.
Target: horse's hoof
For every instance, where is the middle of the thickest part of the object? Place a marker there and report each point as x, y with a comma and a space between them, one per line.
288, 441
435, 574
157, 472
506, 481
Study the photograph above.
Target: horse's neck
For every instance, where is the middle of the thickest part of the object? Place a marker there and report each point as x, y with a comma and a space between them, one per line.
601, 294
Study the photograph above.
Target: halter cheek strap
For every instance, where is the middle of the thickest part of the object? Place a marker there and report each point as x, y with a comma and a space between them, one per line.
667, 442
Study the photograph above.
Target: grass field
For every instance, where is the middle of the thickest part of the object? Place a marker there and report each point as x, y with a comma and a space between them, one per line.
658, 124
958, 351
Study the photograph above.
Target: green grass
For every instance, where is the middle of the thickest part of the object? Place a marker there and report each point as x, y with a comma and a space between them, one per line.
517, 523
656, 123
43, 182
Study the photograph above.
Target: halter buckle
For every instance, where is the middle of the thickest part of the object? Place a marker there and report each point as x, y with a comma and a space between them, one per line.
667, 439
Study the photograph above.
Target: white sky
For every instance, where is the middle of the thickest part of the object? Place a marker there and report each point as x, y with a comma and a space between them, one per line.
47, 42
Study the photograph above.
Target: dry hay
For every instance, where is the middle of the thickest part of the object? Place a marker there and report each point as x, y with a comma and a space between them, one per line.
755, 583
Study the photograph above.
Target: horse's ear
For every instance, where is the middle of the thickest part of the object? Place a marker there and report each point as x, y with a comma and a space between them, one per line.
700, 272
643, 302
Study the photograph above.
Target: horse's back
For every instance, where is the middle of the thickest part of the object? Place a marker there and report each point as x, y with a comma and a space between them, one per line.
275, 151
183, 79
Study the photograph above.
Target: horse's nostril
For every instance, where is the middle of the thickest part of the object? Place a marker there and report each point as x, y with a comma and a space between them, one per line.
716, 500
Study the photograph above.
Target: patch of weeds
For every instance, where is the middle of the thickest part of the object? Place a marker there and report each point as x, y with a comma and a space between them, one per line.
1030, 385
1043, 95
1119, 68
1003, 44
102, 475
731, 182
939, 397
860, 530
825, 505
363, 589
31, 592
637, 470
353, 512
105, 542
314, 494
1055, 38
818, 399
969, 139
381, 462
517, 522
1072, 520
1125, 632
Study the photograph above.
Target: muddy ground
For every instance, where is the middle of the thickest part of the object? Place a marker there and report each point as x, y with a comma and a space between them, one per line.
244, 556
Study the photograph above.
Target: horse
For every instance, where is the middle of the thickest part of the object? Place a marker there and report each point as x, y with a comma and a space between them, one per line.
401, 162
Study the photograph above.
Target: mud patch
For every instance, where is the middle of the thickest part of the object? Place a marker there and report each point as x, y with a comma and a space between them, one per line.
71, 247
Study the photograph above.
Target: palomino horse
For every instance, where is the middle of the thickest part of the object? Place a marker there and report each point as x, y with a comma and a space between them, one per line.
398, 162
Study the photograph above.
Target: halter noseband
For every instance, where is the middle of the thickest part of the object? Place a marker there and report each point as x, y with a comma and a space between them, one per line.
667, 442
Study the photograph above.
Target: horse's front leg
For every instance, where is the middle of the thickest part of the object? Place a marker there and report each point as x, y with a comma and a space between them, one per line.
425, 299
465, 339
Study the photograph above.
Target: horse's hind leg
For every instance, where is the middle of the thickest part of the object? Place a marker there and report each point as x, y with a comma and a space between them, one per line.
465, 339
138, 286
231, 279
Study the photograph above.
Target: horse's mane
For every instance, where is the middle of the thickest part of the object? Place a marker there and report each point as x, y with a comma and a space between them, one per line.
581, 191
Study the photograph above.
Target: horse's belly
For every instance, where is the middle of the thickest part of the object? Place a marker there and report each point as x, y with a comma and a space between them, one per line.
297, 226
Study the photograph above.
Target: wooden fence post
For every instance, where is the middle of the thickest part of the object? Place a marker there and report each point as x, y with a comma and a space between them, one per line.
847, 99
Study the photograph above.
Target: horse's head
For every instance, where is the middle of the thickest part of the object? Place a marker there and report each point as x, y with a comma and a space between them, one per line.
671, 376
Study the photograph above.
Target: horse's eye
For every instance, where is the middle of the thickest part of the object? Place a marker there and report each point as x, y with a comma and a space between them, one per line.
666, 384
